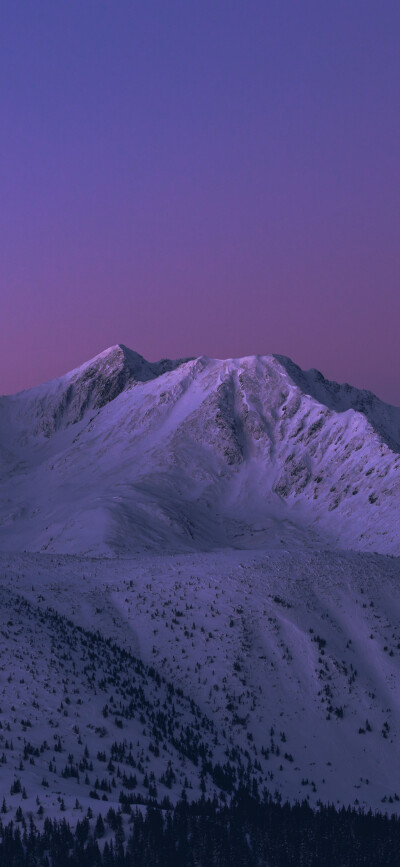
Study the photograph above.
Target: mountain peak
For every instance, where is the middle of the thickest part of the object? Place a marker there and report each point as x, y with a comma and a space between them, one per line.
95, 383
205, 453
341, 397
120, 358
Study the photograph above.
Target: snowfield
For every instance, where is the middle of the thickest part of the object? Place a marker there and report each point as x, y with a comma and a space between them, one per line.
199, 585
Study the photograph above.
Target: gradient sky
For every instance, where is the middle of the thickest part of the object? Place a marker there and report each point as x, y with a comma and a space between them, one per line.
200, 176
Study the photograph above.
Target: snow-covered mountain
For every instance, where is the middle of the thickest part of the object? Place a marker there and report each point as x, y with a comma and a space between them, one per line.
123, 456
199, 586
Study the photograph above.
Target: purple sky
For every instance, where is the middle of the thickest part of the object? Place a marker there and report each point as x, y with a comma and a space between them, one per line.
200, 176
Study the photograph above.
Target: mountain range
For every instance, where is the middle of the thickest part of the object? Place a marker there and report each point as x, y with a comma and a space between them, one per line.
123, 456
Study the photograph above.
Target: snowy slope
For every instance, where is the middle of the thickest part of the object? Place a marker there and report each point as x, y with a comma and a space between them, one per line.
282, 665
123, 456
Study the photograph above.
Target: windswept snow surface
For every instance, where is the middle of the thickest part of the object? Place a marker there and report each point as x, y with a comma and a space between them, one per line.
199, 584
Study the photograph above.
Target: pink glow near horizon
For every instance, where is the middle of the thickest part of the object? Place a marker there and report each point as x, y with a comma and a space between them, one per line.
202, 178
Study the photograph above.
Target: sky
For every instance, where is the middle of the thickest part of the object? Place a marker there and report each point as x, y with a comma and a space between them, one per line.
191, 177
